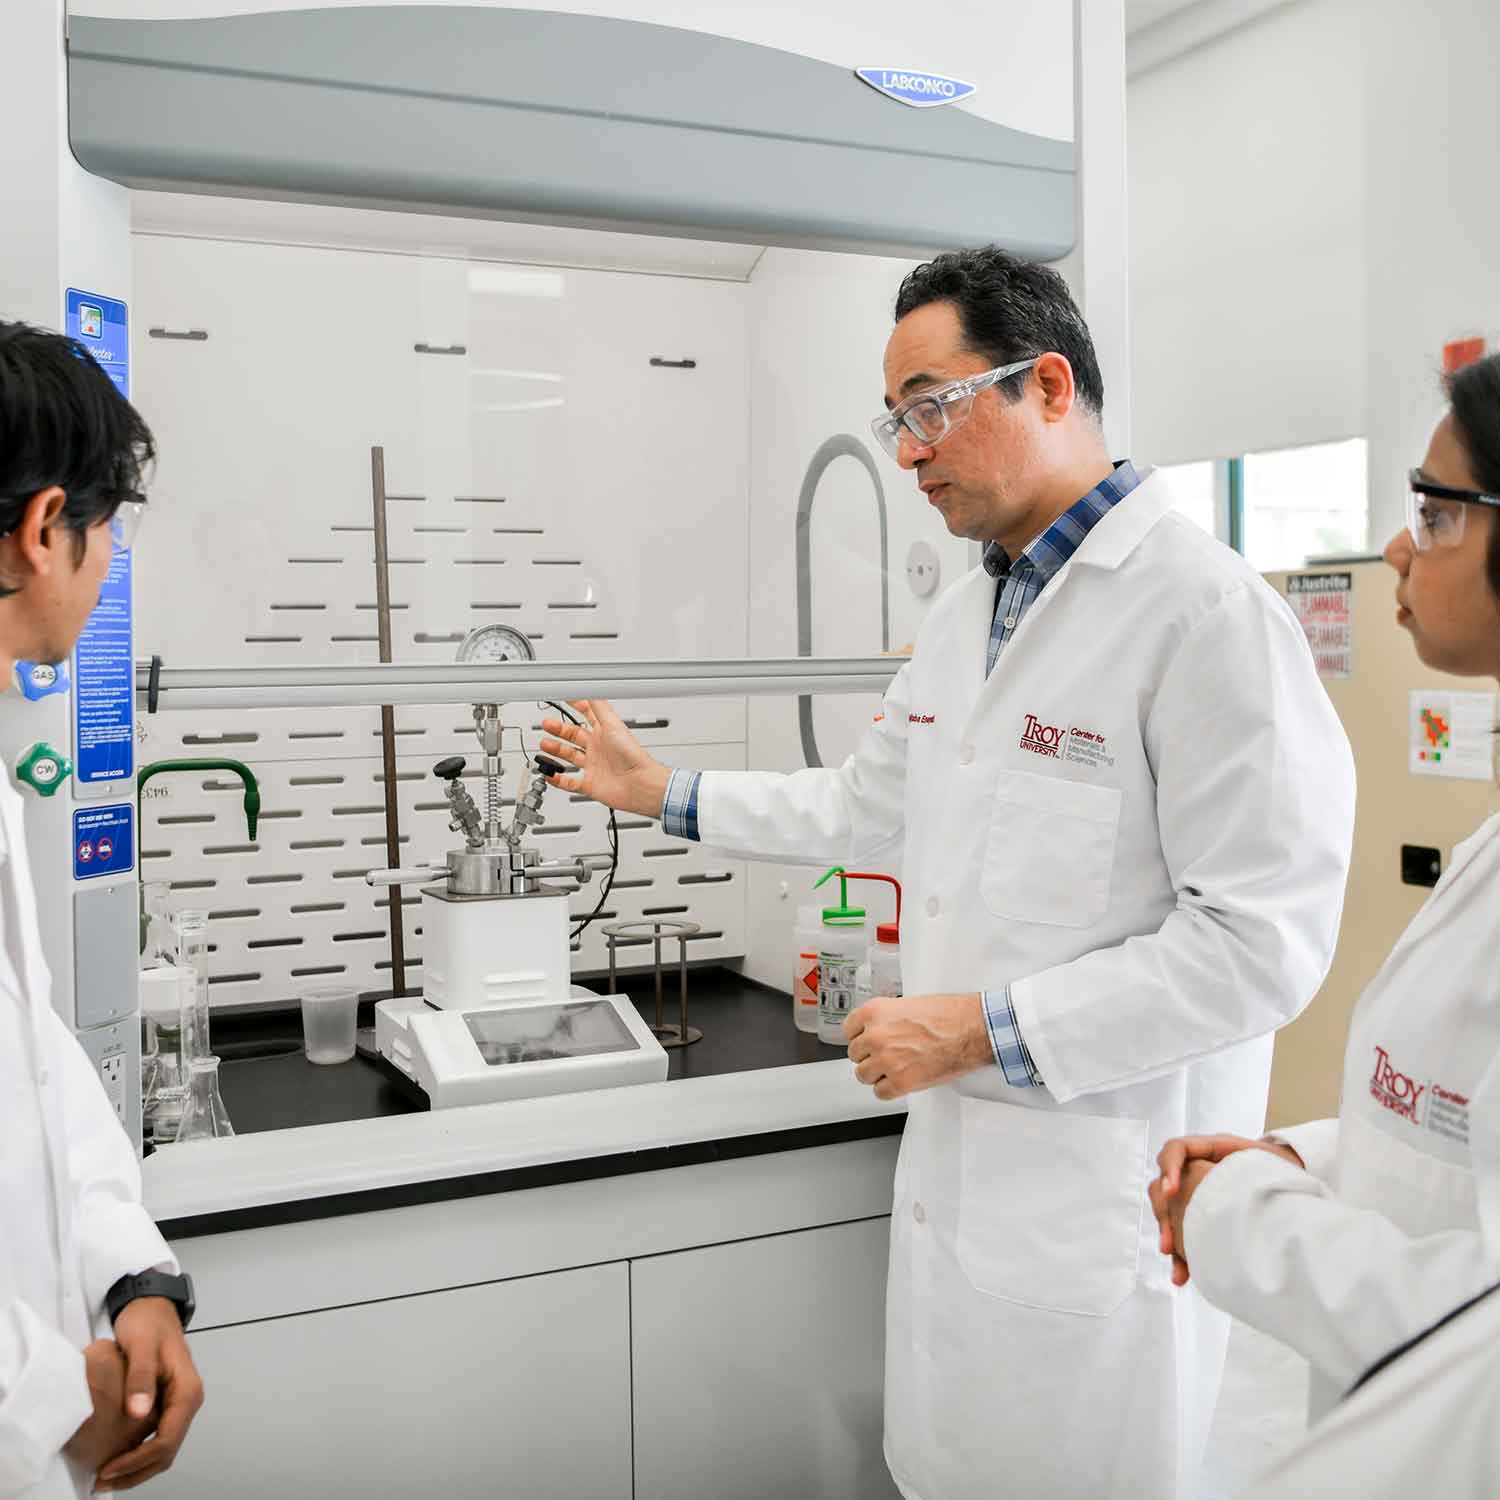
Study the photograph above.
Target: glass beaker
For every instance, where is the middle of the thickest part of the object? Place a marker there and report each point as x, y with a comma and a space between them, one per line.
159, 947
192, 955
204, 1117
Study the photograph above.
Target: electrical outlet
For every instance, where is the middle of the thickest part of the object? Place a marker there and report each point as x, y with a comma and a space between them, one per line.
112, 1071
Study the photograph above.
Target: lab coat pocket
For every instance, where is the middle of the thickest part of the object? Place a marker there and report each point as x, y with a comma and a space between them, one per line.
1051, 849
1050, 1206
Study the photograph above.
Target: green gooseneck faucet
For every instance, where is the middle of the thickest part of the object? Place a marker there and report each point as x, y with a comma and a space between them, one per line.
236, 767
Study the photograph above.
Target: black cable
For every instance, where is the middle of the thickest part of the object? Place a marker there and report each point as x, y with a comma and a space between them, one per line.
609, 878
614, 840
567, 713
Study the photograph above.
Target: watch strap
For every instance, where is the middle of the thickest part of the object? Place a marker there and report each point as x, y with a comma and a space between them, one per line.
178, 1290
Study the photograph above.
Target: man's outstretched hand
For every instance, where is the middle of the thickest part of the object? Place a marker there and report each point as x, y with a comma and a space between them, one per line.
608, 762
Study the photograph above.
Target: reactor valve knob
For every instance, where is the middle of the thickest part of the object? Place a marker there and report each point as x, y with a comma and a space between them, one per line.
450, 769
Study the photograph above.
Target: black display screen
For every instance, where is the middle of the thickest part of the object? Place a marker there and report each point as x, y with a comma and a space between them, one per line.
547, 1033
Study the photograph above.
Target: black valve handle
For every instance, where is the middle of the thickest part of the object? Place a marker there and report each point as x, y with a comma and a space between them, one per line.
549, 767
450, 769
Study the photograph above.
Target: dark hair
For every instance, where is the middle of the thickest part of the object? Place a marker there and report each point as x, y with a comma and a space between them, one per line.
1474, 394
62, 422
1009, 309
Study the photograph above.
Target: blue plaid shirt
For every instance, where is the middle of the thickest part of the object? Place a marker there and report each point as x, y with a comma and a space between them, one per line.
1018, 585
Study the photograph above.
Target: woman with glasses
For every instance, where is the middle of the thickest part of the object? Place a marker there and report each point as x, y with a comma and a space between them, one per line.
1347, 1238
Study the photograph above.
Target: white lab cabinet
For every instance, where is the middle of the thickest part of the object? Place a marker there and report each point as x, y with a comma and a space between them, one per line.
710, 1330
513, 1389
758, 1367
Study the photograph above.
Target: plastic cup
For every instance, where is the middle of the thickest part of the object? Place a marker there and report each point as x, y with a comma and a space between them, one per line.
328, 1014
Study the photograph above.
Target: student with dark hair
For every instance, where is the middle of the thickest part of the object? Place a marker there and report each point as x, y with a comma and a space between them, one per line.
1347, 1238
1122, 807
78, 1252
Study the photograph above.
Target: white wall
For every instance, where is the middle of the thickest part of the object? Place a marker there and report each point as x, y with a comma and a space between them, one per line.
1247, 248
1312, 218
1432, 216
59, 227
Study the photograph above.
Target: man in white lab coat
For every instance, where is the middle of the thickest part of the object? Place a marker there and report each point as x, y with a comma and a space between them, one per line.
1124, 810
77, 1249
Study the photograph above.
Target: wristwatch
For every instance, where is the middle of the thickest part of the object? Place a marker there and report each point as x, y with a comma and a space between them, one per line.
176, 1289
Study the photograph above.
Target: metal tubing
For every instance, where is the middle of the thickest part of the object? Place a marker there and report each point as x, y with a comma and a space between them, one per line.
842, 446
388, 720
441, 682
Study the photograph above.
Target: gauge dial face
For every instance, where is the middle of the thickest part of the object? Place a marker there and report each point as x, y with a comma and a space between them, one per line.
495, 643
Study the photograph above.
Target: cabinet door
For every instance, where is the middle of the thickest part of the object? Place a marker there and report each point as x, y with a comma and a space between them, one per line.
514, 1389
758, 1368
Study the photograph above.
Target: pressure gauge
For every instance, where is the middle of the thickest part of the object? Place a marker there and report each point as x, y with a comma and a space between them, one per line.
495, 643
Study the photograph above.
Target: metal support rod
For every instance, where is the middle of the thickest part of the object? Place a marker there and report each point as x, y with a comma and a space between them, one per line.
656, 957
508, 682
680, 1035
388, 720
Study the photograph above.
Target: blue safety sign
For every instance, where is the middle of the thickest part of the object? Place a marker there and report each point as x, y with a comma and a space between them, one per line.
102, 326
103, 661
104, 684
103, 841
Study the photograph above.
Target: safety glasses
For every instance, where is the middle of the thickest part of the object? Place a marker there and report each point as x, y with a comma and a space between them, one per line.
1436, 513
930, 416
125, 524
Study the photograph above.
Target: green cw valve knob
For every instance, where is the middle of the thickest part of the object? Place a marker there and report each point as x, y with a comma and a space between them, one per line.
43, 769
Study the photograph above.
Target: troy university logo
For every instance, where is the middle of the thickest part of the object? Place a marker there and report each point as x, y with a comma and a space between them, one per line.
1042, 739
1397, 1092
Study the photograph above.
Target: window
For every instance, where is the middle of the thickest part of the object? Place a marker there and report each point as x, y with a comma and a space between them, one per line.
1197, 488
1305, 502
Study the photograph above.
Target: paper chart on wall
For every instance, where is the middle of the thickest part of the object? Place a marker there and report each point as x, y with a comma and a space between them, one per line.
1453, 734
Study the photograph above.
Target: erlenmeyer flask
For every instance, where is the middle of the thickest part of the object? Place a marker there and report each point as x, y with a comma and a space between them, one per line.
204, 1117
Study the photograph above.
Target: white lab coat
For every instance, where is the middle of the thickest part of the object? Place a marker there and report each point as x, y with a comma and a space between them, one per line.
1162, 893
1428, 1424
1397, 1217
71, 1220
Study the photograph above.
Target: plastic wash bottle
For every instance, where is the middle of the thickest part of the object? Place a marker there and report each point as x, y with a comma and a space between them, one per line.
842, 947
